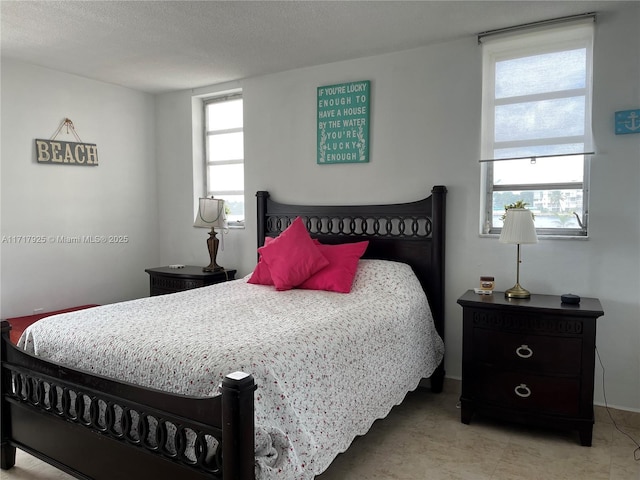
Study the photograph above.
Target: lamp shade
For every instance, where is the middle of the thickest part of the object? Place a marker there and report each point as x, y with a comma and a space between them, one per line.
211, 214
518, 227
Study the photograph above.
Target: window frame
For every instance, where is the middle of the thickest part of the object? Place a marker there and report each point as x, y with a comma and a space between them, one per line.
207, 163
514, 46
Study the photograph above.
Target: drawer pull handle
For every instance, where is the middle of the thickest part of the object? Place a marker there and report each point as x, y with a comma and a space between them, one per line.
523, 351
522, 391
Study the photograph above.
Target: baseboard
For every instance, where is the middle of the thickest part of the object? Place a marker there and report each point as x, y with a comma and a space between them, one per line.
452, 385
622, 418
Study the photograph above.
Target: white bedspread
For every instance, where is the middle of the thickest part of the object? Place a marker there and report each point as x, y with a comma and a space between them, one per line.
327, 365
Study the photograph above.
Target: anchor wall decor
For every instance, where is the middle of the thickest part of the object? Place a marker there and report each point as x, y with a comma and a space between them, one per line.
627, 121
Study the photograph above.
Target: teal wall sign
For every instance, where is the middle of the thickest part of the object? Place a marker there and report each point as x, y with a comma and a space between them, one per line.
343, 123
627, 121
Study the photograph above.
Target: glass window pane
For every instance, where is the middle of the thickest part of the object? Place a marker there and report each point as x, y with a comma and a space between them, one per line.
536, 103
226, 177
234, 205
552, 208
540, 73
544, 170
224, 115
559, 117
226, 146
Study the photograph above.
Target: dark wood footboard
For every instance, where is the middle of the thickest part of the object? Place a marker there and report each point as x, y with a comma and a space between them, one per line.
98, 428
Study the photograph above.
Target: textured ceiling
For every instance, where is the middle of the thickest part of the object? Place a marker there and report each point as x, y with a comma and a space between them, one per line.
159, 46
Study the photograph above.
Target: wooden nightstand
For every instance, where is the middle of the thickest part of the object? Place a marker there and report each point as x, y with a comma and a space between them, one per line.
529, 360
169, 280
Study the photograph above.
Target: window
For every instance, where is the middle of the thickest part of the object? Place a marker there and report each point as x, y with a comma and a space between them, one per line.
536, 127
224, 150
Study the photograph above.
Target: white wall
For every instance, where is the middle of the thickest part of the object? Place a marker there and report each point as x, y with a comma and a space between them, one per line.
180, 183
425, 130
118, 197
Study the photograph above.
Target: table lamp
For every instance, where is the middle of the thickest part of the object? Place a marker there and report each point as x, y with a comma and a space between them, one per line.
518, 228
211, 214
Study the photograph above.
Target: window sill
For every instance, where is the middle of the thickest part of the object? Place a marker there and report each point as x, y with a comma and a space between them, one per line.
236, 226
543, 237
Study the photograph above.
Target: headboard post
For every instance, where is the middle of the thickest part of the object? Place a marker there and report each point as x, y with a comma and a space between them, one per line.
438, 204
262, 197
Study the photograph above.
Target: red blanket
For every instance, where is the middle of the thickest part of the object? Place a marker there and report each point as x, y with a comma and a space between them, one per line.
18, 324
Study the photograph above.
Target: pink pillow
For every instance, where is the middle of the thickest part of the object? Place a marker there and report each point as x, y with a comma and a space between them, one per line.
292, 257
339, 274
261, 274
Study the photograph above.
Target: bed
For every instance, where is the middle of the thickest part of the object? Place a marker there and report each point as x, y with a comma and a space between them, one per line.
93, 426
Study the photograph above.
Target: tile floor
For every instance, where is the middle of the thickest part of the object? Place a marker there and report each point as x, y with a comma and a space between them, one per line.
424, 439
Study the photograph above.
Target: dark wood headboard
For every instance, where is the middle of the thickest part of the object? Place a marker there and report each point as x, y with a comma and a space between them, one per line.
413, 233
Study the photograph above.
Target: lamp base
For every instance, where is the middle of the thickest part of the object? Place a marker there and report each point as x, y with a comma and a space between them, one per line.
517, 292
214, 268
212, 246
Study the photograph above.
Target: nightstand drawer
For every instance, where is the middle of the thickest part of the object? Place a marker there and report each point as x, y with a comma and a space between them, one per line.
527, 323
162, 285
528, 392
531, 352
163, 280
